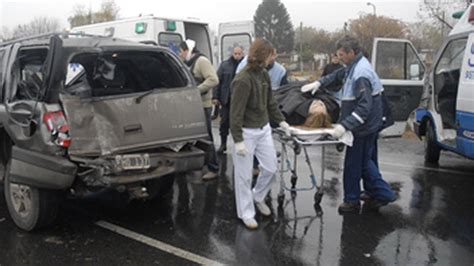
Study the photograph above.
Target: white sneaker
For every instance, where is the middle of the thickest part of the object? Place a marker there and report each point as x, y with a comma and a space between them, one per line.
263, 208
250, 223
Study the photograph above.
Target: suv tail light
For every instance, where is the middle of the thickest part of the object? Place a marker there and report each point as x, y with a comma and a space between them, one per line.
56, 124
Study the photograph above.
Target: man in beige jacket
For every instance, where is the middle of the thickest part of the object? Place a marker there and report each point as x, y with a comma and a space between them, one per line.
206, 79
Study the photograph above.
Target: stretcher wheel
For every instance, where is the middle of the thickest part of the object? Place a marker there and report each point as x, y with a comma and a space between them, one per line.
281, 200
340, 147
318, 196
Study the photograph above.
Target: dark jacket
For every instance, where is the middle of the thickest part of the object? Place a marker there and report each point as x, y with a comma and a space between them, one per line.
295, 105
330, 68
253, 104
225, 73
362, 108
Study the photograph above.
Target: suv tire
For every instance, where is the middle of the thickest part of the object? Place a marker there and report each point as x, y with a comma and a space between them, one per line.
30, 208
432, 150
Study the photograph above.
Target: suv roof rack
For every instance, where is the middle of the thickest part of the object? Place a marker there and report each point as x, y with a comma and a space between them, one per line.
50, 34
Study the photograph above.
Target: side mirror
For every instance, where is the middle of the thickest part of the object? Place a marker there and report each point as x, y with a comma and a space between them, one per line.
414, 72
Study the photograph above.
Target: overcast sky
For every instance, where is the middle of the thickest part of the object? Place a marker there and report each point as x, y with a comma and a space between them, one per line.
326, 14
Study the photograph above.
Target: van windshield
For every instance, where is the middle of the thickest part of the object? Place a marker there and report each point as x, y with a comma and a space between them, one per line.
123, 72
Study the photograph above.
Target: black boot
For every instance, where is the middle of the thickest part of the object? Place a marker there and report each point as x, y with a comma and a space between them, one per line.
223, 147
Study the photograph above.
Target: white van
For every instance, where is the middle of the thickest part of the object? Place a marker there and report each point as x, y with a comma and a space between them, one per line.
445, 117
165, 32
169, 32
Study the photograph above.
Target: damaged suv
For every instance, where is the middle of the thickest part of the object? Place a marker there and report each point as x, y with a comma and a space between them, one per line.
85, 114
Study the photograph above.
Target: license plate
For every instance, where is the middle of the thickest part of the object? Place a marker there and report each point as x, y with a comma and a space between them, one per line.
133, 161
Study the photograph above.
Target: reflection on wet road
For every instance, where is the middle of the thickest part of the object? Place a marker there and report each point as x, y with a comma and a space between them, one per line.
432, 222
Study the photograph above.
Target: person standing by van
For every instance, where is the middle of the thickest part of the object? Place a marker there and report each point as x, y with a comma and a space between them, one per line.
206, 79
226, 73
362, 114
278, 73
251, 110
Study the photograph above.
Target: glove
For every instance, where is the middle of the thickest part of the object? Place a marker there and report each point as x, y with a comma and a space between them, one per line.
339, 130
284, 125
240, 149
313, 87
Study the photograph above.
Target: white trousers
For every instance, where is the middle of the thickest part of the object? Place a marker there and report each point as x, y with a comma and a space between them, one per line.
259, 142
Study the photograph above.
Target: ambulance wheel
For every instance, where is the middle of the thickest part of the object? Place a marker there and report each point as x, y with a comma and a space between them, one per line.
432, 150
318, 196
29, 207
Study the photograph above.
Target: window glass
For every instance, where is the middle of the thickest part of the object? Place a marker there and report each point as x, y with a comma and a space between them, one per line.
398, 60
1, 66
452, 56
28, 73
231, 41
170, 40
116, 73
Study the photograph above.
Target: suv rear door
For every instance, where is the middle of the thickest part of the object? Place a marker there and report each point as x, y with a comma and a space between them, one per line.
129, 100
401, 72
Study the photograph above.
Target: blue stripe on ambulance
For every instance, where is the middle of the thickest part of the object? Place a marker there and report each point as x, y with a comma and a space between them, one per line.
465, 134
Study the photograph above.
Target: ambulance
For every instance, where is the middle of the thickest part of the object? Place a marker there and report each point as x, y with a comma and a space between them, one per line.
170, 32
445, 116
167, 32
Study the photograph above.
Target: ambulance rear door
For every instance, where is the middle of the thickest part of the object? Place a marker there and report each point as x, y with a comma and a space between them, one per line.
232, 34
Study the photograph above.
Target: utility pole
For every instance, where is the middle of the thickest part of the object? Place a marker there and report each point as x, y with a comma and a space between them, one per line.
301, 47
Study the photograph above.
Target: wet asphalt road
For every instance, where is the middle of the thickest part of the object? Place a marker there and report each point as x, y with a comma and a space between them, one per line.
431, 223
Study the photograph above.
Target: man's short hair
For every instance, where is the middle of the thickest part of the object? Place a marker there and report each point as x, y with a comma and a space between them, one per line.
348, 43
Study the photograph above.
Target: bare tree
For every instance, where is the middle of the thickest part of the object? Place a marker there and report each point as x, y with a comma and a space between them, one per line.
366, 27
36, 26
441, 10
5, 34
81, 15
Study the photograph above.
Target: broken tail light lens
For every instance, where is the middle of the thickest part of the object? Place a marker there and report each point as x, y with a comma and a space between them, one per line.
56, 124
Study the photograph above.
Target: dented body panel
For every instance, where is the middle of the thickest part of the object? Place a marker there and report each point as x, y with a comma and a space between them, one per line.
119, 124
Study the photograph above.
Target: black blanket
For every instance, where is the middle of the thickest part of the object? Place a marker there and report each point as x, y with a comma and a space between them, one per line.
295, 105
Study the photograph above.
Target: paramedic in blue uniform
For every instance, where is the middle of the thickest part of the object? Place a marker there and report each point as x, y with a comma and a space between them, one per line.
362, 114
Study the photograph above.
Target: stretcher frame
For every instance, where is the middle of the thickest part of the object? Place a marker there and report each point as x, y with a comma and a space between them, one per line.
298, 144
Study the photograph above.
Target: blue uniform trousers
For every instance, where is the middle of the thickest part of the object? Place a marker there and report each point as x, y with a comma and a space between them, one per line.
361, 161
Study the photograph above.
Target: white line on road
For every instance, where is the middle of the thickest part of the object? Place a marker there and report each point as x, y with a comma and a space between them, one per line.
410, 166
157, 244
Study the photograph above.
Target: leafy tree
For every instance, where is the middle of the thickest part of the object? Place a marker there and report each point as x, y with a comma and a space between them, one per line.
273, 22
83, 16
366, 27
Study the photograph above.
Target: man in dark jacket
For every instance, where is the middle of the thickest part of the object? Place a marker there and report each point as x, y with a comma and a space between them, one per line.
361, 113
222, 92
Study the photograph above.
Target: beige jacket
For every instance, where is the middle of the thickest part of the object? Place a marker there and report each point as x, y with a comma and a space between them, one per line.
204, 70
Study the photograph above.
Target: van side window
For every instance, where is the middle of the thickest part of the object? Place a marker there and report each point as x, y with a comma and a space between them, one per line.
230, 41
446, 80
390, 65
170, 40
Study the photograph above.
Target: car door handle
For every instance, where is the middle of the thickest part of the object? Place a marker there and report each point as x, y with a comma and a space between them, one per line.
135, 128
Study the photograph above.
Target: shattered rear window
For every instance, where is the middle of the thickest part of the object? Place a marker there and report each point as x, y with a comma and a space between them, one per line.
117, 73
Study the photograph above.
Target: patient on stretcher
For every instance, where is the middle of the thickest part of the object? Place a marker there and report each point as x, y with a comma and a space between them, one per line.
307, 111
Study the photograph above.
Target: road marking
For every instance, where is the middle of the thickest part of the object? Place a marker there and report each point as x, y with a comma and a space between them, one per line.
411, 167
157, 244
